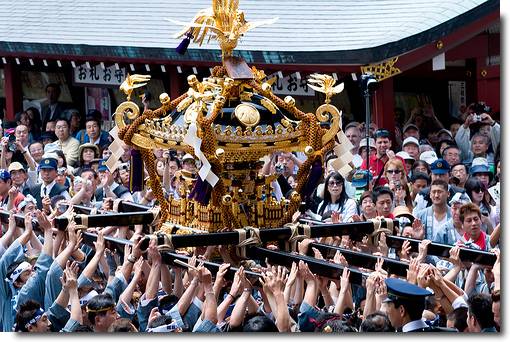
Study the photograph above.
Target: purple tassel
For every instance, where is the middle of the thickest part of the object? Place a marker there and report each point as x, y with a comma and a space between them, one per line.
183, 46
201, 191
313, 178
136, 171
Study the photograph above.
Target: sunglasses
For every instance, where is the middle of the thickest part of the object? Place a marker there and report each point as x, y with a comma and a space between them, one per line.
333, 183
478, 190
396, 171
382, 133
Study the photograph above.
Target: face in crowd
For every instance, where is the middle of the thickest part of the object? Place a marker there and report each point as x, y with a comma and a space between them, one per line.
384, 205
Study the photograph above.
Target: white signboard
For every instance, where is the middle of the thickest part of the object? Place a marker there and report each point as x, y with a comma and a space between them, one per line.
96, 75
290, 85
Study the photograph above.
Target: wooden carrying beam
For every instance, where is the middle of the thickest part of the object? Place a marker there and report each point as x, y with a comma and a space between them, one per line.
356, 230
360, 259
20, 219
110, 219
169, 257
441, 250
317, 266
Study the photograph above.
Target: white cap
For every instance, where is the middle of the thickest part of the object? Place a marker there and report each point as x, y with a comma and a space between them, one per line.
428, 156
404, 155
363, 143
411, 140
187, 156
480, 161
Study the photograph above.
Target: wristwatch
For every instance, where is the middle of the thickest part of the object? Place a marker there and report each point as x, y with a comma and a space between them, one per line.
131, 258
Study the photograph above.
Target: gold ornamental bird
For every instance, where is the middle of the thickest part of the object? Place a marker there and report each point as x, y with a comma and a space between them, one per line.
325, 84
132, 82
226, 22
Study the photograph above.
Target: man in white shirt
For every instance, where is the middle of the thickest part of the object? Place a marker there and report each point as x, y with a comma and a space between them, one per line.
69, 145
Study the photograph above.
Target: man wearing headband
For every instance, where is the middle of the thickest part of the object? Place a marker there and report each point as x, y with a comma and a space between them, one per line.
101, 312
32, 318
29, 204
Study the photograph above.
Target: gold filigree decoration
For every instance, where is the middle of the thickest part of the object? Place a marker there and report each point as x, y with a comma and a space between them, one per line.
382, 70
269, 105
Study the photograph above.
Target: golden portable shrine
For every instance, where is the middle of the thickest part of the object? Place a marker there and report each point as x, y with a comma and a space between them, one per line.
229, 121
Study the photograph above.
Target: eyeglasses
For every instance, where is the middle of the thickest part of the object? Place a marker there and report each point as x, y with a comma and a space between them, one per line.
333, 183
396, 171
382, 133
478, 190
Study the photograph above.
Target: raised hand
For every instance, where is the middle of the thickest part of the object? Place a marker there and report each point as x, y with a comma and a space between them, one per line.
236, 287
454, 256
137, 268
405, 250
43, 221
293, 274
303, 246
422, 249
28, 223
418, 229
340, 259
100, 243
412, 272
153, 253
344, 279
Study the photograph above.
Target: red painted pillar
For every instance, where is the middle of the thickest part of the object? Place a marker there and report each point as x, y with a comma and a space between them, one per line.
13, 93
383, 105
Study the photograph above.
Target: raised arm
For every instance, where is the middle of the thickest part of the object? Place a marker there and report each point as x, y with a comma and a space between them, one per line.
151, 289
100, 246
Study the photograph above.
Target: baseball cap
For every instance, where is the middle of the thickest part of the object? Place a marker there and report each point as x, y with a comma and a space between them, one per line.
48, 163
411, 140
440, 167
187, 156
479, 165
102, 166
404, 155
16, 166
363, 143
360, 178
4, 175
444, 130
429, 157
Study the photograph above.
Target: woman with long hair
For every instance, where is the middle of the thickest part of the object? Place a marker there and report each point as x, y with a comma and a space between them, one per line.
476, 192
336, 199
395, 173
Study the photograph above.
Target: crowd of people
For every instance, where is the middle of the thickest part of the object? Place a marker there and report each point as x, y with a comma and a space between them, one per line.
441, 185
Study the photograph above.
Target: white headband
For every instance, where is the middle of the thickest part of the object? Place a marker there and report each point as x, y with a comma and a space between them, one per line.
85, 299
18, 270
